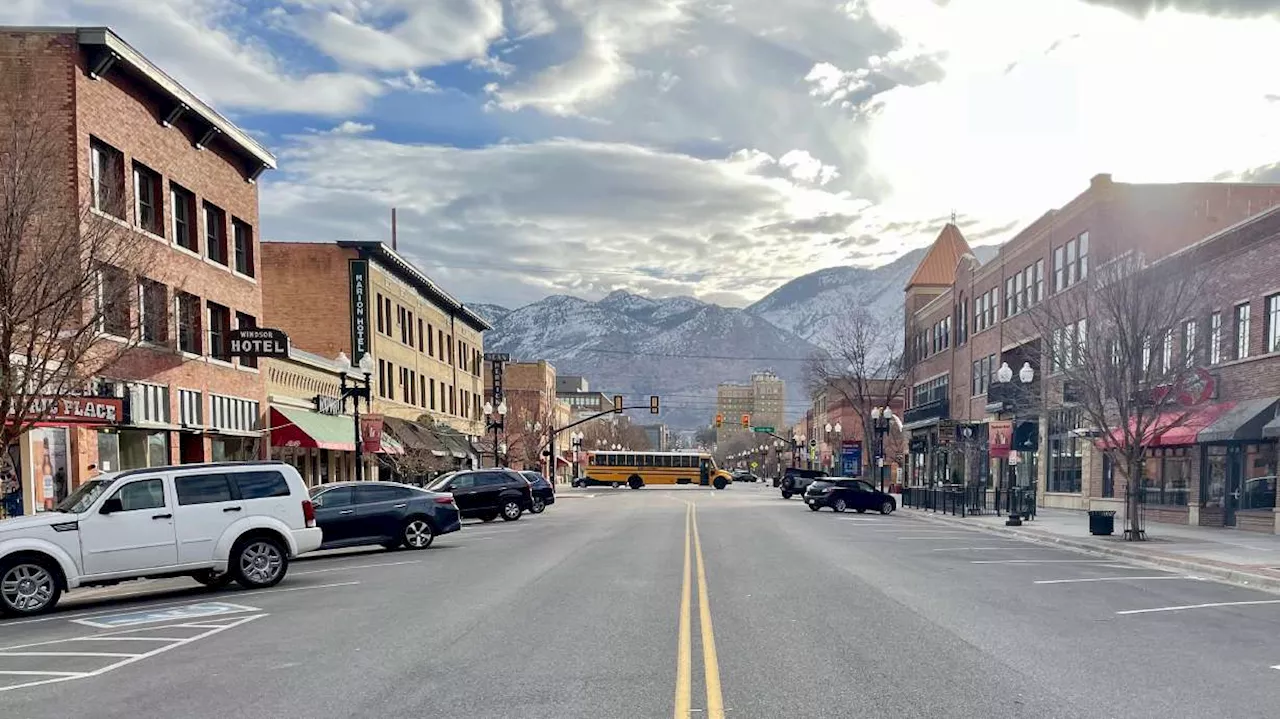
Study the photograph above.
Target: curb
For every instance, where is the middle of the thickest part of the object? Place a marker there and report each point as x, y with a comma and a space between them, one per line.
1239, 577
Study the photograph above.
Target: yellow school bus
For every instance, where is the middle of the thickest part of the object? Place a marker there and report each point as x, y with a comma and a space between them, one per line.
636, 469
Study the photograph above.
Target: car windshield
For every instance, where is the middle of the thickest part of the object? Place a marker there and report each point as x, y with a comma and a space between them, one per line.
80, 500
438, 484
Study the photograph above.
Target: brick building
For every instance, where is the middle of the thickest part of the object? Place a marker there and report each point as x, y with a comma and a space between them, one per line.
965, 320
533, 409
423, 347
145, 153
733, 403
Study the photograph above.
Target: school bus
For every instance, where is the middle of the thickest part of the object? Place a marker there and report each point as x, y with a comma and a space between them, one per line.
636, 469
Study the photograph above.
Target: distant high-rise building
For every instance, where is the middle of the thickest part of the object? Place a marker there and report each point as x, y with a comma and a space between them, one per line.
767, 393
732, 401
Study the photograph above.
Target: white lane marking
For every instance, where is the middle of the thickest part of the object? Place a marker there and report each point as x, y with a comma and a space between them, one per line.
1199, 606
973, 549
65, 654
1276, 666
68, 676
1103, 579
1037, 561
303, 589
359, 566
932, 537
128, 639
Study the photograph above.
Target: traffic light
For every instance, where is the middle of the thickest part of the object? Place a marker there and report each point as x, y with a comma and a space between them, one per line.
719, 420
653, 404
746, 421
617, 403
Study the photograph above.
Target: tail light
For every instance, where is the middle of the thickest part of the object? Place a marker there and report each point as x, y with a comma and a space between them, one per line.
445, 499
309, 513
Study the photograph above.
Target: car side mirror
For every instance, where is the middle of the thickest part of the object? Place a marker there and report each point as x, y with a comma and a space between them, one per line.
111, 505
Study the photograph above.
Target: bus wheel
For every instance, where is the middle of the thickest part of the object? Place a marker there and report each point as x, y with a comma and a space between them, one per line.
719, 483
635, 482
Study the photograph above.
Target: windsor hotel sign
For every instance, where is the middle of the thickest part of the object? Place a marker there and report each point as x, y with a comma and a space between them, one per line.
258, 342
89, 410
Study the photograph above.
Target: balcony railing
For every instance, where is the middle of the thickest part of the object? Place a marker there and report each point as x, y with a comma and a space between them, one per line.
937, 409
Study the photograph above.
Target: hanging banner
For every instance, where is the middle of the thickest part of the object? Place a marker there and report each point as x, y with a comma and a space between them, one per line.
371, 432
1000, 433
851, 458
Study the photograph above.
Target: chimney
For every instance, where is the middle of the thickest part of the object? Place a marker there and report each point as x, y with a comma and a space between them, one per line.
393, 228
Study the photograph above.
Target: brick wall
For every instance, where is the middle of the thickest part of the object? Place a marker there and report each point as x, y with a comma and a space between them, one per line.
306, 293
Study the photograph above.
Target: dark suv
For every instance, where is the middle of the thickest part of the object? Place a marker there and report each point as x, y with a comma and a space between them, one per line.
487, 493
795, 480
543, 493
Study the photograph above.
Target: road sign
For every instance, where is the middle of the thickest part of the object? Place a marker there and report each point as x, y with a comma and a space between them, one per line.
766, 430
813, 443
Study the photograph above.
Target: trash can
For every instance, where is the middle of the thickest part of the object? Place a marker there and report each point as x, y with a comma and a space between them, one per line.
1102, 523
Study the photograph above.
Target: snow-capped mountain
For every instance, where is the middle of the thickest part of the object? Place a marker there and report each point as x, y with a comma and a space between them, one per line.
810, 305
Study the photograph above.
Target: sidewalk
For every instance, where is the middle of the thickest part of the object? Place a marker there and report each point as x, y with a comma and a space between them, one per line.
1231, 555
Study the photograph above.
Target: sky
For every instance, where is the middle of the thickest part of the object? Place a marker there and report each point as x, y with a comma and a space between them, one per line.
713, 148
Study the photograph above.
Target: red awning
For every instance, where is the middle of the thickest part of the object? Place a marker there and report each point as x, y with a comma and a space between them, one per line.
562, 460
300, 428
1175, 427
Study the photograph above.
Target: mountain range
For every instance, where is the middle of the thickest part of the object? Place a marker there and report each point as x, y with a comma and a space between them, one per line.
681, 347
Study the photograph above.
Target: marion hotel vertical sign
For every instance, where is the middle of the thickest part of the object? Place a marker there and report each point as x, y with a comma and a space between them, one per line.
359, 273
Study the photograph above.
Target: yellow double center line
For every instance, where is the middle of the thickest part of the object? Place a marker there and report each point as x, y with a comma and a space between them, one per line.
684, 653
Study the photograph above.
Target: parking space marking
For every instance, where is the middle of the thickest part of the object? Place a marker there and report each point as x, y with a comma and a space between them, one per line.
977, 549
358, 566
1038, 561
1208, 605
65, 654
1105, 579
152, 616
933, 537
173, 643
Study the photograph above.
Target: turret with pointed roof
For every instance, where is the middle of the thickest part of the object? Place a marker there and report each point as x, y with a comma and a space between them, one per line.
938, 268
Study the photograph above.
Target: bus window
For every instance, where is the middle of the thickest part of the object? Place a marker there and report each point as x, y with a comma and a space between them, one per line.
628, 460
645, 460
591, 459
664, 461
685, 462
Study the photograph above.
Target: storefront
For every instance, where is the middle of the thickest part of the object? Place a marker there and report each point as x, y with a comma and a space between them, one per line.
45, 464
321, 446
1237, 468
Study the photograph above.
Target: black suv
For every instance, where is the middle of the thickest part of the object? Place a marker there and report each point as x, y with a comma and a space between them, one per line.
795, 480
841, 493
487, 493
543, 493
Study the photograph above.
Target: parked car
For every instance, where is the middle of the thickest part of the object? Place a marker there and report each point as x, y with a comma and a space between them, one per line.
841, 493
544, 493
795, 480
240, 521
487, 493
393, 515
743, 475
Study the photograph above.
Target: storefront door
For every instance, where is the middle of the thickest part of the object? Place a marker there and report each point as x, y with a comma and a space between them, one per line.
1235, 482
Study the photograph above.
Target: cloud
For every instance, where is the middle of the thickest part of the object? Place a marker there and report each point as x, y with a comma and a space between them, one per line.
349, 127
1227, 8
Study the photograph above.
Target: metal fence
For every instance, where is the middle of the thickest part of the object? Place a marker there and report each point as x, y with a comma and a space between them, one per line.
964, 501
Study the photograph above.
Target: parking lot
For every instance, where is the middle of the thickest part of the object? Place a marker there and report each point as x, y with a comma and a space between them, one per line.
577, 613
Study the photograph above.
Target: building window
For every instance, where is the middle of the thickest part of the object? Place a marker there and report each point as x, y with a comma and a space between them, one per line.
114, 290
962, 321
219, 328
1215, 338
1066, 462
932, 391
245, 322
1167, 479
1010, 297
1242, 331
1037, 293
184, 211
431, 341
982, 375
404, 326
1059, 268
189, 331
432, 391
243, 235
153, 311
421, 341
453, 401
422, 394
1146, 354
147, 204
409, 326
1067, 346
382, 327
450, 346
1189, 342
1273, 324
106, 178
215, 233
1166, 352
1071, 262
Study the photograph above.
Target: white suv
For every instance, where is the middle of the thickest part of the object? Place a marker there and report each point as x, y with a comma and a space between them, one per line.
213, 522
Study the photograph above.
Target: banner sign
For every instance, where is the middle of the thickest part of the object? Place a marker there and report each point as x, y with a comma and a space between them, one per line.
89, 410
371, 432
1000, 433
358, 270
851, 458
258, 342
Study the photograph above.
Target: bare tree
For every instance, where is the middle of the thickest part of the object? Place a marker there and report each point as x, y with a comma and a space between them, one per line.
1119, 345
415, 465
69, 262
865, 368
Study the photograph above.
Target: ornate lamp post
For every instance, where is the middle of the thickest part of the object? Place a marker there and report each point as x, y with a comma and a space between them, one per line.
881, 421
495, 424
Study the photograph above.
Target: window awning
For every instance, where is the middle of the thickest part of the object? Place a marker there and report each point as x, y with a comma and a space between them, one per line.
413, 436
1175, 427
1243, 422
294, 427
1272, 428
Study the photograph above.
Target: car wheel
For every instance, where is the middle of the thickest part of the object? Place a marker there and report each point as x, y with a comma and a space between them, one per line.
259, 562
839, 505
28, 586
537, 506
511, 510
212, 579
417, 533
635, 482
815, 506
862, 510
786, 494
887, 507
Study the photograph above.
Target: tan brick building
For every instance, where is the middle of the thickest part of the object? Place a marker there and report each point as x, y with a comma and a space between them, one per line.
186, 176
362, 298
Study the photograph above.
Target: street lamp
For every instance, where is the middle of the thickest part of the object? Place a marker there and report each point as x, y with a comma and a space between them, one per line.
1026, 376
356, 393
575, 441
496, 424
833, 430
881, 420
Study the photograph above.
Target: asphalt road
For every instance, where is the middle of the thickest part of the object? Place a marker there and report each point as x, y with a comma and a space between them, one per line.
604, 605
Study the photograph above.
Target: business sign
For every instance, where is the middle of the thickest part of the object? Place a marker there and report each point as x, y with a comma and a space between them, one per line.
258, 342
967, 431
327, 405
851, 458
1000, 438
89, 410
918, 445
358, 270
371, 432
497, 367
946, 431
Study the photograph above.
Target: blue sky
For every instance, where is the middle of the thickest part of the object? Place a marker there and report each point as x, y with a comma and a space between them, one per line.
535, 147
